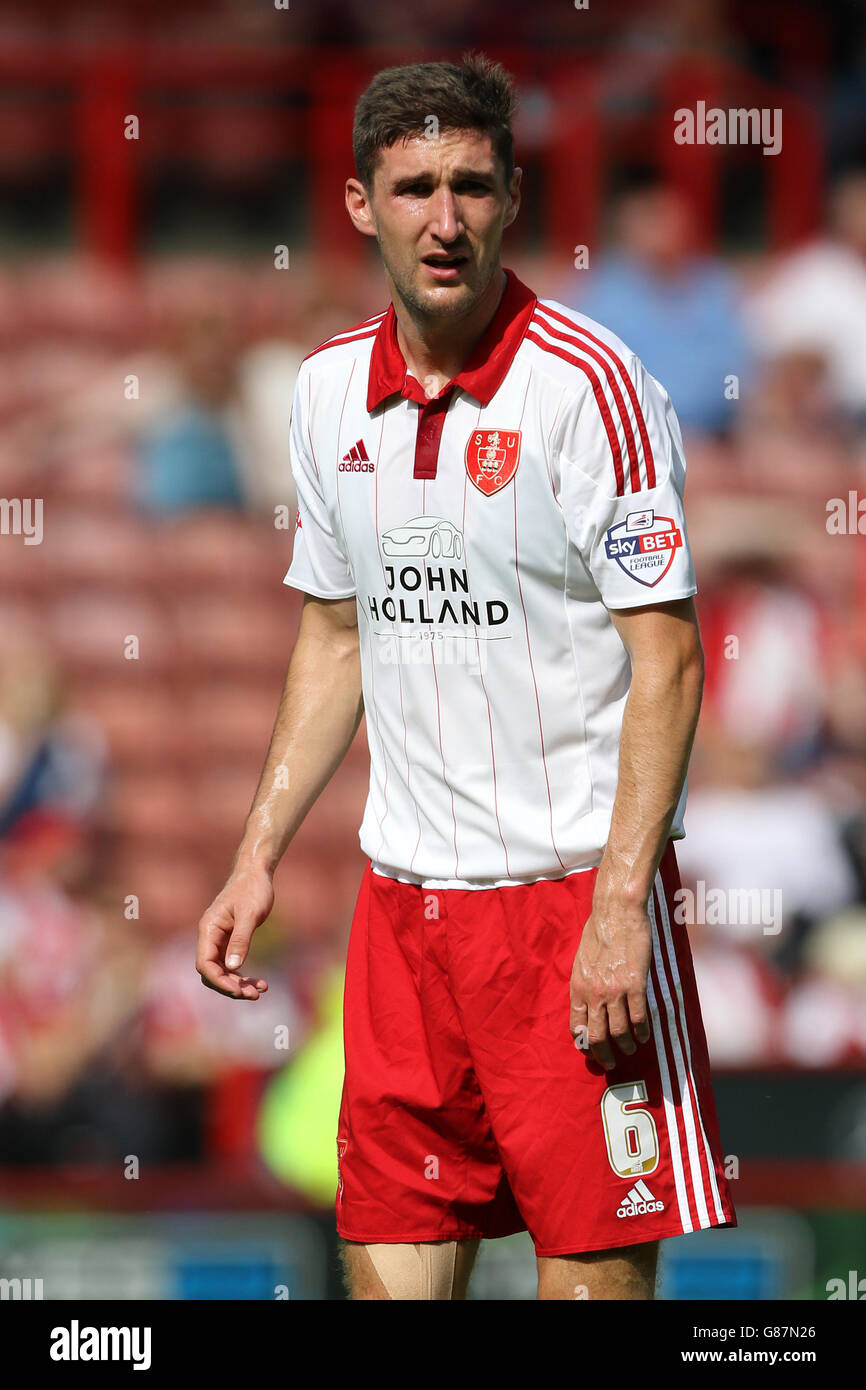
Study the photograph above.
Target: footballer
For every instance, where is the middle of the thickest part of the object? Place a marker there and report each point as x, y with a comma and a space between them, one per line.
494, 557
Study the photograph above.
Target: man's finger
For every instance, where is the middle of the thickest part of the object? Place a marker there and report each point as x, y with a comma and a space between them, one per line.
239, 942
216, 977
578, 1017
579, 1029
617, 1022
237, 987
603, 1054
599, 1042
637, 1012
250, 989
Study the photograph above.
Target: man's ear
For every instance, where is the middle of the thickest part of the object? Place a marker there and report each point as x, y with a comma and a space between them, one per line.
358, 207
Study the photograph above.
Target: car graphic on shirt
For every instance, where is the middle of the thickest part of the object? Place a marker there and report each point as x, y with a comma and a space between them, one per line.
424, 535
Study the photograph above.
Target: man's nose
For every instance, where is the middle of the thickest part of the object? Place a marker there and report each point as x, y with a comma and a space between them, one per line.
446, 216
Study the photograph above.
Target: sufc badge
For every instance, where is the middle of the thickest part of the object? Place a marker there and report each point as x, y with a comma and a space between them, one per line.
492, 457
644, 545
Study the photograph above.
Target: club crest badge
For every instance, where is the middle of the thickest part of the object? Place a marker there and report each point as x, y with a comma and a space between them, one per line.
644, 545
492, 457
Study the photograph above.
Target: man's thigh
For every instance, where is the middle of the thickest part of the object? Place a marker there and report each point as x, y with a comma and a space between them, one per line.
425, 1270
625, 1273
417, 1157
595, 1160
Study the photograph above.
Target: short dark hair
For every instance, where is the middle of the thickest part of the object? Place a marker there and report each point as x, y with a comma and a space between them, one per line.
476, 94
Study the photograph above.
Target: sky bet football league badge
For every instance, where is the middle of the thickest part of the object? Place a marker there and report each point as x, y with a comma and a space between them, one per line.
644, 545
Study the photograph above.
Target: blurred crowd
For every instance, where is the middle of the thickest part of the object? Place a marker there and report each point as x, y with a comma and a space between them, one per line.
146, 637
763, 358
145, 640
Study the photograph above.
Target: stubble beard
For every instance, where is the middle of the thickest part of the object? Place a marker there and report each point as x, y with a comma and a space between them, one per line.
432, 311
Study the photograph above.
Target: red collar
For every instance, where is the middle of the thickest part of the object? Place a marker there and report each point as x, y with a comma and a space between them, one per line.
485, 368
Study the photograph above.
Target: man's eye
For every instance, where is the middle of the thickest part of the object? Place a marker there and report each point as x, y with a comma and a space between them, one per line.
423, 190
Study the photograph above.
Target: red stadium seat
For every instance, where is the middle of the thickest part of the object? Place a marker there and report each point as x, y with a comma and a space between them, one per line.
228, 634
220, 551
154, 806
113, 552
230, 721
140, 722
101, 630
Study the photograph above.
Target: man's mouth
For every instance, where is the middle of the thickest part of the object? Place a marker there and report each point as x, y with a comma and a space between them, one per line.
443, 267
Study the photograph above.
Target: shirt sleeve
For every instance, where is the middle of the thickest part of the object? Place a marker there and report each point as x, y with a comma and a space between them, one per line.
621, 480
319, 563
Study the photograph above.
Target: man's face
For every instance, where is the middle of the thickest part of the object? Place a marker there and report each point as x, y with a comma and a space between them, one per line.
438, 208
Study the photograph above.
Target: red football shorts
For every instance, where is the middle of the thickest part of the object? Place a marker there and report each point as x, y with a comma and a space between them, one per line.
468, 1110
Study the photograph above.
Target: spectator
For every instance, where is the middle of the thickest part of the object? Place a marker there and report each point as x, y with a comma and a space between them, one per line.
675, 308
815, 301
50, 758
189, 456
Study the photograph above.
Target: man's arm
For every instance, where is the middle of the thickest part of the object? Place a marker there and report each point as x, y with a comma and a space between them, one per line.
609, 979
319, 713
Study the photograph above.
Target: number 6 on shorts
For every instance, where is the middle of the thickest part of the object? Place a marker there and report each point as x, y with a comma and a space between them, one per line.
629, 1131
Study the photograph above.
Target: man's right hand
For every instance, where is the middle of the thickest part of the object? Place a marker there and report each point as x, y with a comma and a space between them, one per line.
226, 930
320, 710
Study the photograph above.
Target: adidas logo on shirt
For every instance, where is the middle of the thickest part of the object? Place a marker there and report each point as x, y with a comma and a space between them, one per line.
357, 460
639, 1201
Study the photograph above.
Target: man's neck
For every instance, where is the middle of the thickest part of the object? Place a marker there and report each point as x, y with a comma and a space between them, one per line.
436, 351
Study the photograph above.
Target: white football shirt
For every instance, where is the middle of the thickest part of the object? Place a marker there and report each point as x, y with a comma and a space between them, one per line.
485, 534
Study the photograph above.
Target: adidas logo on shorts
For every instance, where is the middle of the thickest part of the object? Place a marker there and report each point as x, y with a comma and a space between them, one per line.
639, 1201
